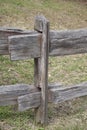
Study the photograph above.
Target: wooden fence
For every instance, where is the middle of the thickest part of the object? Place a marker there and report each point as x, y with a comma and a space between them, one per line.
39, 44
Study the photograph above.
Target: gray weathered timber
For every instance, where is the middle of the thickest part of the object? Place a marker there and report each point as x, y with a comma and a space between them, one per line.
56, 94
25, 95
33, 100
42, 25
62, 94
37, 72
29, 101
38, 26
10, 93
68, 42
24, 46
8, 101
61, 43
5, 33
36, 82
54, 85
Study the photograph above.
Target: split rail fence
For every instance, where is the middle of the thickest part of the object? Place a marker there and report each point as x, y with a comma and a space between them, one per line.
39, 44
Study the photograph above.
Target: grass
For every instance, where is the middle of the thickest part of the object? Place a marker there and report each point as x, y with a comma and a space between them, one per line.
15, 72
66, 14
68, 69
62, 14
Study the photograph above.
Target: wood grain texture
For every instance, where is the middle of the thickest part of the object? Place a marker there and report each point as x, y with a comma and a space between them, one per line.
33, 100
62, 94
27, 96
37, 72
68, 42
5, 33
56, 94
10, 93
38, 25
24, 46
42, 25
44, 72
62, 42
29, 101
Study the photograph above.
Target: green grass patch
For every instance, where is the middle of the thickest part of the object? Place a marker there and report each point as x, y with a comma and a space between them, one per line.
16, 72
62, 14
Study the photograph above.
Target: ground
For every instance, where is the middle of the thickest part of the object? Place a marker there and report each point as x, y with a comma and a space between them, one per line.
62, 14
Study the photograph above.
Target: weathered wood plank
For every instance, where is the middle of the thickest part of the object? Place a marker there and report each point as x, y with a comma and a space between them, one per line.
33, 100
5, 33
15, 90
37, 72
8, 102
61, 43
24, 46
56, 94
42, 25
62, 94
38, 25
10, 93
29, 101
44, 72
26, 95
68, 42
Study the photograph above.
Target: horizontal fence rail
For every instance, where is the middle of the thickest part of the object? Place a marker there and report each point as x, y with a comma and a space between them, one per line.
68, 42
4, 34
28, 96
22, 44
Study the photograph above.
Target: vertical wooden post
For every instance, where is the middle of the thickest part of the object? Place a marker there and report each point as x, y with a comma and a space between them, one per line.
36, 72
42, 25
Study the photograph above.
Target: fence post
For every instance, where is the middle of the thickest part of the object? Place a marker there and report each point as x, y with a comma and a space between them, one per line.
36, 72
42, 25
